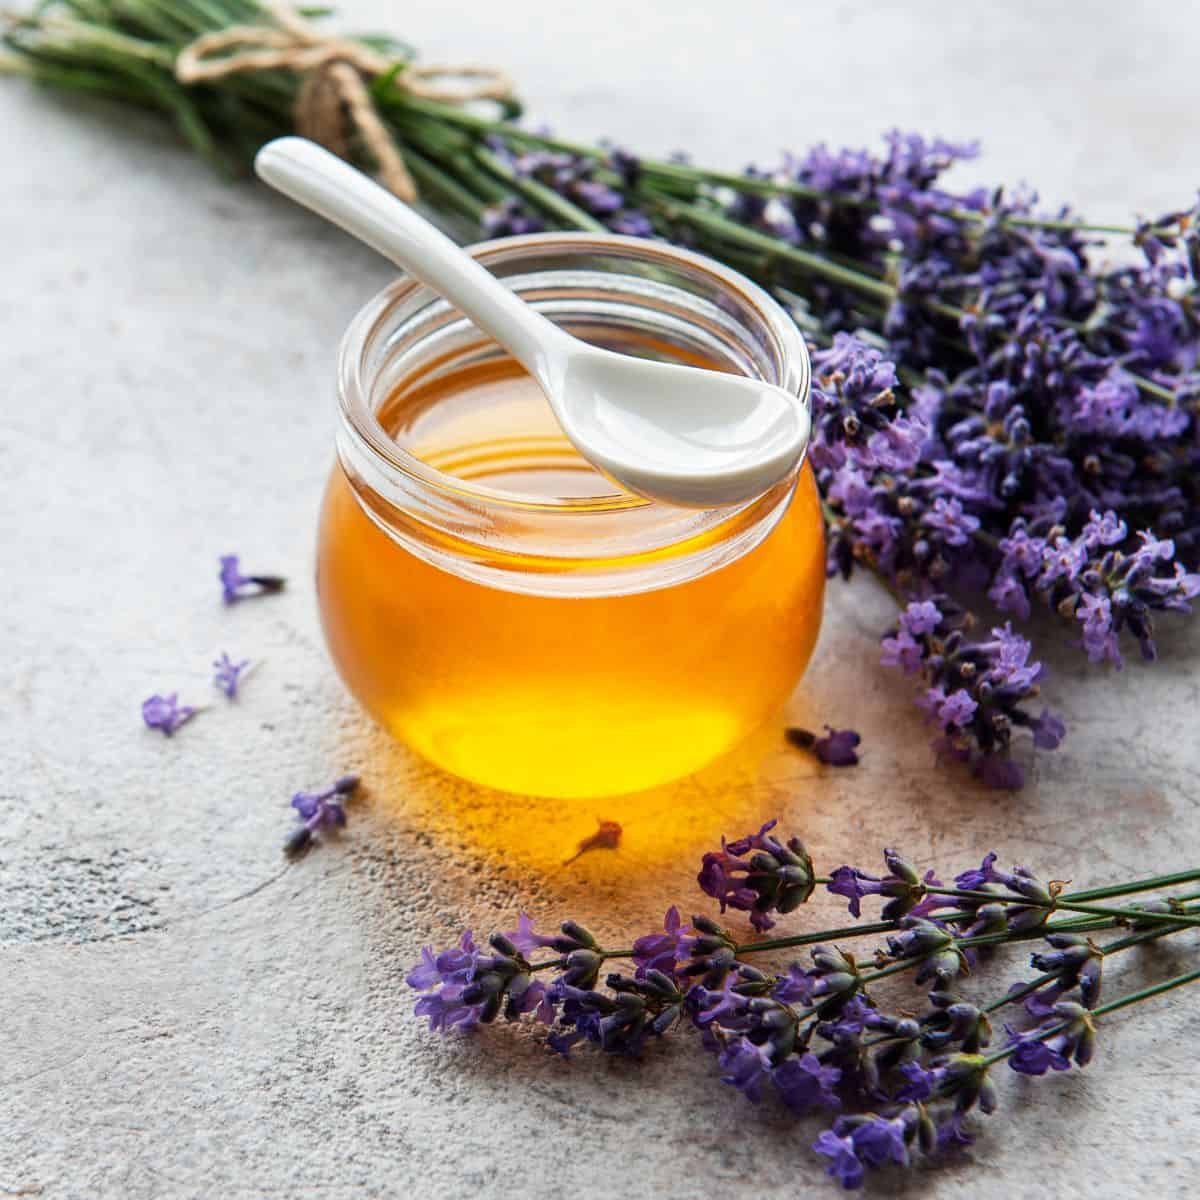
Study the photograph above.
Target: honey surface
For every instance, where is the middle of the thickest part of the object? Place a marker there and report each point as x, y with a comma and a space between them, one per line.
554, 695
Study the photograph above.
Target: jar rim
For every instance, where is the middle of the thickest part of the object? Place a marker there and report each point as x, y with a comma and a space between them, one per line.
362, 422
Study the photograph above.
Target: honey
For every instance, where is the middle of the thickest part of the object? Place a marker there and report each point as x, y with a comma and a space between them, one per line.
607, 664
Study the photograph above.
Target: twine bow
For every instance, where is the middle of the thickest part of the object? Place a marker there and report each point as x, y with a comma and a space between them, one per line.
333, 98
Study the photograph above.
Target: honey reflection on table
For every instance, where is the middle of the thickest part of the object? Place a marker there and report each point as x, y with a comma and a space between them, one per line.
668, 826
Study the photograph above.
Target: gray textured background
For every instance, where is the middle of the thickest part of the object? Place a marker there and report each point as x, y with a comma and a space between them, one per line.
184, 1016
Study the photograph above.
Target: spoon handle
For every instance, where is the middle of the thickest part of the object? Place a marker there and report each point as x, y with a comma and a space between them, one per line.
319, 180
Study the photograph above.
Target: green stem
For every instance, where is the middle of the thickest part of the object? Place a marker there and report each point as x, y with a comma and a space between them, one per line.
1150, 388
1061, 902
1137, 885
892, 969
656, 168
1095, 925
814, 264
810, 939
449, 189
1155, 989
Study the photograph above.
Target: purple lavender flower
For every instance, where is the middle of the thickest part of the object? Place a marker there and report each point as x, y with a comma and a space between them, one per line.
831, 983
1100, 640
320, 811
529, 995
921, 617
745, 1066
574, 178
236, 586
954, 1021
956, 710
902, 651
227, 675
769, 1012
971, 881
1077, 963
950, 520
724, 1002
758, 874
853, 884
845, 1166
1019, 882
526, 938
857, 1144
580, 957
1034, 1057
1067, 1036
165, 713
631, 223
641, 1008
838, 748
1048, 730
1105, 588
920, 1083
710, 951
804, 1083
449, 973
509, 218
575, 1023
903, 885
932, 944
856, 411
664, 952
465, 985
974, 691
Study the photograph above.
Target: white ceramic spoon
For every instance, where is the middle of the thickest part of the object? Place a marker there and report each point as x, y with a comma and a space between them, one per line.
670, 432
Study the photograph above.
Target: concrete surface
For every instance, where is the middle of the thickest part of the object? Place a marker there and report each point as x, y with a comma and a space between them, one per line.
185, 1016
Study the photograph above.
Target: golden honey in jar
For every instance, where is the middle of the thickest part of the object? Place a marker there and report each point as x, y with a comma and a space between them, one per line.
509, 611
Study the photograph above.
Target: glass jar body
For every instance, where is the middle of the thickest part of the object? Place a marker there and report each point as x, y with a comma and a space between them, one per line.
569, 696
575, 644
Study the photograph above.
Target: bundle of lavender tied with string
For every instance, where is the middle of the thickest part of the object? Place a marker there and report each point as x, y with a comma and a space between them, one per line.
896, 1085
1004, 419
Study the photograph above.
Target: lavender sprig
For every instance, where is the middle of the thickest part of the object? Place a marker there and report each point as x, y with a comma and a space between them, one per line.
324, 810
166, 714
837, 748
236, 586
814, 1035
227, 675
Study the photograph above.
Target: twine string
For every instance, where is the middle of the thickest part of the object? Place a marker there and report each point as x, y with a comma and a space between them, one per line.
334, 99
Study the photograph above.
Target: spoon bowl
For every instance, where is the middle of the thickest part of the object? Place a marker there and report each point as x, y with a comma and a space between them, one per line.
670, 432
680, 434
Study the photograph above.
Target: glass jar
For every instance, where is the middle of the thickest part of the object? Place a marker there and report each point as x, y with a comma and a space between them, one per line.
567, 639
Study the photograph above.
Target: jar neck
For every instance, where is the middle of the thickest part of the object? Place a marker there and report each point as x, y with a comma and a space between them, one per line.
621, 292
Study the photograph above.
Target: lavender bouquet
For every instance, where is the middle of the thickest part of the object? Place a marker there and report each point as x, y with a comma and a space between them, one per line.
1005, 418
896, 1084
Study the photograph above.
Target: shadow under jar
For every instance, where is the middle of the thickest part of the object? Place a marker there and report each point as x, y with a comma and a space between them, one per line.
509, 611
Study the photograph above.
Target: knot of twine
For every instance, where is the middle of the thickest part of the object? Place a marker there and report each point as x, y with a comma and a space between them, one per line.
334, 99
